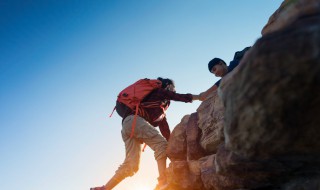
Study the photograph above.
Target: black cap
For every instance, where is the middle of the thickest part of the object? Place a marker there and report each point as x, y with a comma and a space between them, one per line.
213, 62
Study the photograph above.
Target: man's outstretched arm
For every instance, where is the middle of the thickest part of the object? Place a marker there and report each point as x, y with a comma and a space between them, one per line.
204, 95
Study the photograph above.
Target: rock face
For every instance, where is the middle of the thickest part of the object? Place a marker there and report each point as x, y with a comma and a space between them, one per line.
177, 147
262, 130
211, 116
193, 134
184, 175
289, 12
280, 92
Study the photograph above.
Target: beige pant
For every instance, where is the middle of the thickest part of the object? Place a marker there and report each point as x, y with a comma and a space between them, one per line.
143, 132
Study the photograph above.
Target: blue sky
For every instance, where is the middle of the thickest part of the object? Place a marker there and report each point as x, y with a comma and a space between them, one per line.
62, 64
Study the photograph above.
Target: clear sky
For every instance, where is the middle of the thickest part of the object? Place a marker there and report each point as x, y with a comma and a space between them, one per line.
62, 64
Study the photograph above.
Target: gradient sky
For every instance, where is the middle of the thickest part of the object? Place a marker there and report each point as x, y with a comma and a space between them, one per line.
62, 64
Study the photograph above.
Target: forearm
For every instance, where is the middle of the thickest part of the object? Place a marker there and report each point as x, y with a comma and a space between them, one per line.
195, 97
204, 95
164, 129
176, 96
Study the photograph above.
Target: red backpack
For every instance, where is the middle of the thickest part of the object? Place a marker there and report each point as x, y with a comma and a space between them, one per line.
132, 95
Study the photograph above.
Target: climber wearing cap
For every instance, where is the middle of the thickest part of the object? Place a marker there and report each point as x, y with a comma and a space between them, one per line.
219, 68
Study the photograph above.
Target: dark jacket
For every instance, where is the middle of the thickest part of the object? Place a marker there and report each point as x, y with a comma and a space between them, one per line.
235, 62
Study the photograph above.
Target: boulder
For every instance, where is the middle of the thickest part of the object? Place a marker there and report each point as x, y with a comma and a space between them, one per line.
177, 145
226, 170
193, 132
211, 116
184, 175
290, 11
272, 107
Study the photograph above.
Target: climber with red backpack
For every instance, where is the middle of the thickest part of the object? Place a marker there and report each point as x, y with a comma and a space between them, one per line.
142, 107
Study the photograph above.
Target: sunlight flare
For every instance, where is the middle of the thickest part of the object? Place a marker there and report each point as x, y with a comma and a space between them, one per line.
142, 187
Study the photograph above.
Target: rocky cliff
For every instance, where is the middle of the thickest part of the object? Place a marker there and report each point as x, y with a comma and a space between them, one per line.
261, 129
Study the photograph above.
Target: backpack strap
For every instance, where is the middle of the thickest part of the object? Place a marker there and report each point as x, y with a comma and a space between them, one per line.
112, 111
134, 120
144, 147
144, 105
134, 125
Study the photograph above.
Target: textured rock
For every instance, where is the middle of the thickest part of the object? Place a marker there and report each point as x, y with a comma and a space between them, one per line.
177, 145
194, 167
207, 169
279, 92
178, 175
290, 11
211, 115
312, 183
193, 132
184, 175
226, 170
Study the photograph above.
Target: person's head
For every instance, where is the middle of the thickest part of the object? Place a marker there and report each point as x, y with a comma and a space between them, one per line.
167, 84
218, 67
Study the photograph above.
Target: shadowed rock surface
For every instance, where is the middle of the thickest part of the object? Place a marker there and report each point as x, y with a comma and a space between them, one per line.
177, 146
193, 134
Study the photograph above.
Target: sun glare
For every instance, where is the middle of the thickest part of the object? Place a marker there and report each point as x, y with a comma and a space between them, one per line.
141, 187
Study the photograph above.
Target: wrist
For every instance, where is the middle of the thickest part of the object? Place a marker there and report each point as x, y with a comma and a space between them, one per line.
195, 97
